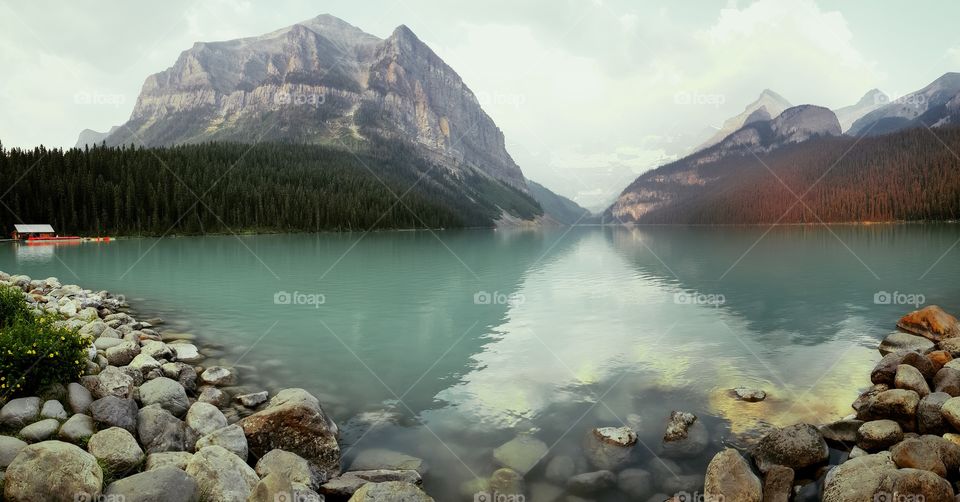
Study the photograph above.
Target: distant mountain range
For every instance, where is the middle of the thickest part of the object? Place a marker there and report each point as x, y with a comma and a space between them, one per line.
326, 82
723, 182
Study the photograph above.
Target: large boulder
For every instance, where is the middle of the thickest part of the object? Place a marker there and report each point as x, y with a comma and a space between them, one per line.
113, 411
77, 429
398, 491
899, 405
221, 475
160, 431
20, 412
904, 341
79, 398
169, 394
40, 431
9, 448
205, 418
795, 446
348, 483
295, 468
112, 381
947, 380
294, 421
929, 417
910, 378
729, 477
123, 353
879, 435
53, 471
778, 484
915, 484
231, 438
930, 322
858, 479
164, 484
116, 448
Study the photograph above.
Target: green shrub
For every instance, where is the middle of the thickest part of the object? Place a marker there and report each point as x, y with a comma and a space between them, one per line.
34, 351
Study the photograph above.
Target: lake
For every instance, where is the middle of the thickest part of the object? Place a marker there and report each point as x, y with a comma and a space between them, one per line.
446, 345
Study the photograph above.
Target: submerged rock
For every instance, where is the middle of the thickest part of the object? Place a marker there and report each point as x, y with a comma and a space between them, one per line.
680, 422
590, 483
521, 453
749, 395
841, 431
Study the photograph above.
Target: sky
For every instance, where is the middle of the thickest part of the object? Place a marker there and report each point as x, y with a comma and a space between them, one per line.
589, 93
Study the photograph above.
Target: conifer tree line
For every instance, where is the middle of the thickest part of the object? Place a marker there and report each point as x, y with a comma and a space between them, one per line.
913, 175
272, 187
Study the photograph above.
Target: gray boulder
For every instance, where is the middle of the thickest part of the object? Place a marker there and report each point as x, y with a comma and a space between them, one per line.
79, 398
218, 376
40, 431
176, 459
167, 393
122, 353
929, 418
294, 468
910, 378
390, 491
231, 438
164, 484
380, 458
117, 449
9, 448
348, 483
77, 429
113, 411
879, 435
53, 471
904, 341
20, 412
53, 409
112, 381
221, 475
160, 431
205, 418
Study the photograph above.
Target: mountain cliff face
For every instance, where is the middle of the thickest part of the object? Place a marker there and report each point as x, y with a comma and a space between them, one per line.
936, 105
672, 183
321, 81
769, 104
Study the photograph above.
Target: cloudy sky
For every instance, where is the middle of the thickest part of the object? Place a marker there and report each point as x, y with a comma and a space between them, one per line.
589, 93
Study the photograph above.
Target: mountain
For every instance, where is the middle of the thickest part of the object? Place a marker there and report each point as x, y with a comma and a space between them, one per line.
321, 81
673, 183
936, 105
870, 101
768, 105
557, 207
89, 137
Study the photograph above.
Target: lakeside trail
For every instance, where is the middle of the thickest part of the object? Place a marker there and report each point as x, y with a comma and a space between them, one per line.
152, 419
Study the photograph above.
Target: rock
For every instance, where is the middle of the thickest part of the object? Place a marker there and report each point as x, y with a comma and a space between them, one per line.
899, 405
112, 411
253, 400
950, 410
77, 429
175, 459
221, 475
294, 421
904, 341
113, 382
857, 451
749, 395
390, 491
53, 409
865, 399
590, 483
205, 418
53, 471
296, 469
604, 453
165, 484
947, 380
879, 435
40, 431
618, 436
9, 448
938, 358
521, 453
121, 354
379, 458
231, 438
729, 477
272, 488
636, 483
508, 482
909, 378
349, 482
858, 479
795, 446
930, 322
680, 422
156, 350
160, 431
842, 431
186, 352
218, 376
167, 393
560, 468
692, 445
20, 412
117, 449
79, 398
144, 363
951, 345
690, 483
214, 396
915, 453
916, 484
921, 362
929, 418
778, 484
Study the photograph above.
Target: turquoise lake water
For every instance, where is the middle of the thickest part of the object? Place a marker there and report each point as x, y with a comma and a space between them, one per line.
445, 345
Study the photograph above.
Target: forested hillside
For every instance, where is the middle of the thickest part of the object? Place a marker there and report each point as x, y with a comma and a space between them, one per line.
263, 188
911, 175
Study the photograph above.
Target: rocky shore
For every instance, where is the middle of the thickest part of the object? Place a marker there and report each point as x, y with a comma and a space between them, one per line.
901, 443
149, 421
